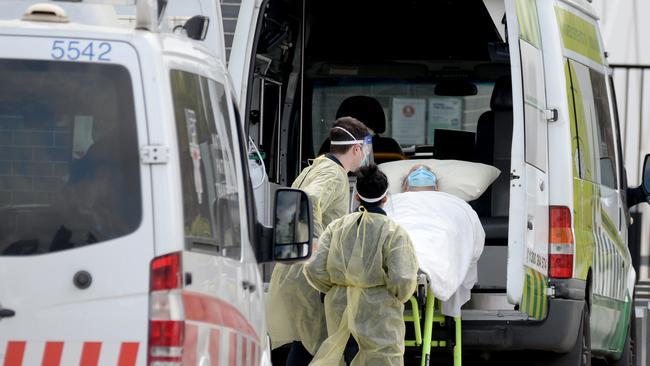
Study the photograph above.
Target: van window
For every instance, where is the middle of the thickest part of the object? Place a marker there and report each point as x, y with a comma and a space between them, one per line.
209, 181
413, 111
605, 134
69, 160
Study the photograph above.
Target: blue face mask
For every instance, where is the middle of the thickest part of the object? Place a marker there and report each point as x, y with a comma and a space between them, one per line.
422, 177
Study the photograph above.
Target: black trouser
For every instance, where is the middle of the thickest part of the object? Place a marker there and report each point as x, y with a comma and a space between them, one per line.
299, 356
351, 350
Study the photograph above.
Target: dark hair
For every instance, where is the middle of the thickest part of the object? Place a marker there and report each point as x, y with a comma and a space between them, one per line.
352, 125
371, 183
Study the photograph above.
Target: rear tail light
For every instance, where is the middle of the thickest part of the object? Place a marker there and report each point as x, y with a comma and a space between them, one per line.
560, 242
166, 314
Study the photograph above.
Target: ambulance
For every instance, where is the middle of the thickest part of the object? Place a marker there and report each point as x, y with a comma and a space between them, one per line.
522, 85
128, 233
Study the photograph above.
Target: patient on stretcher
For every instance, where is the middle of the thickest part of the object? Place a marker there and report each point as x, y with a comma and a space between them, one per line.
447, 236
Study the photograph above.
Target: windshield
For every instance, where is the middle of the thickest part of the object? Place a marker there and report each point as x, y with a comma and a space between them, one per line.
69, 161
413, 112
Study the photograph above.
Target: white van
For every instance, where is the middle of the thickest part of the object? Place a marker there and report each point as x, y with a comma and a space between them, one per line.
127, 225
522, 85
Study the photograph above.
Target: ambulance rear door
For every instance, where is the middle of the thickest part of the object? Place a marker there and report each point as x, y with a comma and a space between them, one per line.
76, 234
529, 211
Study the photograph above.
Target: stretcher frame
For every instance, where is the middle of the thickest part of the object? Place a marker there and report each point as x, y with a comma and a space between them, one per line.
432, 315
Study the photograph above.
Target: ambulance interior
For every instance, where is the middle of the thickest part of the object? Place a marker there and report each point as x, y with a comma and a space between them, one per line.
439, 72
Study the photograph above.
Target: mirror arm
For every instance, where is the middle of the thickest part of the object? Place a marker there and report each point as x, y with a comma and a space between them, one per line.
264, 248
635, 196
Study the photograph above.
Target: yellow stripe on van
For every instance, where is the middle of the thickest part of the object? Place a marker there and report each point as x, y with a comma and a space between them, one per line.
534, 302
579, 35
528, 22
585, 200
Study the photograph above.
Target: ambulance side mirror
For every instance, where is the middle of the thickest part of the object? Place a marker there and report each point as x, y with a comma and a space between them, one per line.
292, 225
641, 193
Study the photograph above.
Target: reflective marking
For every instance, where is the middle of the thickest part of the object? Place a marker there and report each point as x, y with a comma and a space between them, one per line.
52, 354
244, 351
232, 354
190, 345
90, 354
128, 354
15, 353
205, 309
213, 348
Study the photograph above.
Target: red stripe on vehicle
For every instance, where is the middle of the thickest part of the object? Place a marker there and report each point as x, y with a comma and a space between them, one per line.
128, 354
213, 348
254, 353
52, 354
189, 345
90, 354
15, 353
232, 355
201, 308
244, 351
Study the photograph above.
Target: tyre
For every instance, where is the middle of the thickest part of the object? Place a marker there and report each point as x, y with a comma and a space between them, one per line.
629, 348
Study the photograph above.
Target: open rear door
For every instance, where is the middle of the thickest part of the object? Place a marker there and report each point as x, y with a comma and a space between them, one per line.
528, 227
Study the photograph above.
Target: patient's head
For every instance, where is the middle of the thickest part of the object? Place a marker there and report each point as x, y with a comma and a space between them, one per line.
420, 178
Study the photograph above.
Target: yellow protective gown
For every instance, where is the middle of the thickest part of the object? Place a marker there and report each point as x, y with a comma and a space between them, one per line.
294, 309
366, 265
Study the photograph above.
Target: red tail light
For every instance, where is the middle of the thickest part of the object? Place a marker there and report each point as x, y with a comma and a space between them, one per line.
166, 272
560, 242
166, 318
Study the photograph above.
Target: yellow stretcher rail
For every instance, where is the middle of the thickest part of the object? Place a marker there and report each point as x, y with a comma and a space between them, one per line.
432, 315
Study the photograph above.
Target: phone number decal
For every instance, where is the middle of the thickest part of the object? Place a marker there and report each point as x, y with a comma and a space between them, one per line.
81, 50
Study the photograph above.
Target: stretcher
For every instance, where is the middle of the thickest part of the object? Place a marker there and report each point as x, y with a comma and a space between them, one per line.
430, 328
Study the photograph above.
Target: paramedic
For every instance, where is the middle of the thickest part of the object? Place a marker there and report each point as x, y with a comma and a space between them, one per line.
367, 267
295, 311
420, 178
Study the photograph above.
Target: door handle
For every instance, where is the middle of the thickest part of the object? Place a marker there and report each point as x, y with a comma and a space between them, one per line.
530, 225
248, 286
6, 313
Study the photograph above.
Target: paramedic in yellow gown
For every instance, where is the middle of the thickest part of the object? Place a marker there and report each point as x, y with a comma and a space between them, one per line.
366, 266
295, 312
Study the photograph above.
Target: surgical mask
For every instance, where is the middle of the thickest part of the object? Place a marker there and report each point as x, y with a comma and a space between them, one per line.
422, 177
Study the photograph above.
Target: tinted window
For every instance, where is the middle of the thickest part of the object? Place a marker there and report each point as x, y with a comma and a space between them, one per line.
605, 135
210, 191
69, 160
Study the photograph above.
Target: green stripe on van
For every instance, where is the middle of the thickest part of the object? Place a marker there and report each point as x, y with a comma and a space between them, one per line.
579, 35
528, 22
534, 301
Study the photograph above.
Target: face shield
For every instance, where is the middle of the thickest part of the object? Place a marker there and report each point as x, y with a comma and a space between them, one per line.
365, 144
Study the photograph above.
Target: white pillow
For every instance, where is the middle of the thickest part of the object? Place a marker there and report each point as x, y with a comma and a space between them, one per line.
463, 179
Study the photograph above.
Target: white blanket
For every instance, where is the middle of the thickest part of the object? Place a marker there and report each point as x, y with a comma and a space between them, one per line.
448, 240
